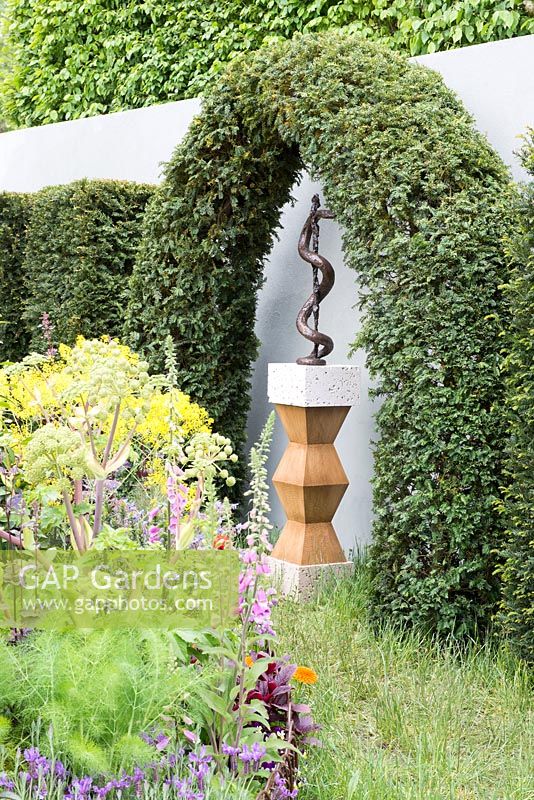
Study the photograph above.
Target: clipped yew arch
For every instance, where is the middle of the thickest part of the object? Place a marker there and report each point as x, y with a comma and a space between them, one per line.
421, 198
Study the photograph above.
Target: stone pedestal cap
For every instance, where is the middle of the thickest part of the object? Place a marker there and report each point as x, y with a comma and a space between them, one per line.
302, 385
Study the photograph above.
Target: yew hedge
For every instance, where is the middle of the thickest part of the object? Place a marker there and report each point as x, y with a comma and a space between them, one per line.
81, 243
14, 336
422, 199
517, 614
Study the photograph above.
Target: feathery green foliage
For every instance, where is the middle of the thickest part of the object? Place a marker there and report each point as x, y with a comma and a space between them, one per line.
518, 572
14, 336
66, 59
421, 198
80, 247
96, 692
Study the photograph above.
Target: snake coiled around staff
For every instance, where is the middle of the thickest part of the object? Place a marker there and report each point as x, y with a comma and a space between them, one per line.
322, 344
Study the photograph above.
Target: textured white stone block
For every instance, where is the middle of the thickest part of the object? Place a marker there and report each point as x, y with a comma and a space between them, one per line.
302, 385
301, 582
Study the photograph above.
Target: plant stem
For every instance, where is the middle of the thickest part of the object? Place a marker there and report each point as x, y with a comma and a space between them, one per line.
99, 484
73, 524
11, 538
242, 666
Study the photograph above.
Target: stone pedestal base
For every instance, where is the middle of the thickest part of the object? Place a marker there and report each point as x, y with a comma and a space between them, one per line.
300, 581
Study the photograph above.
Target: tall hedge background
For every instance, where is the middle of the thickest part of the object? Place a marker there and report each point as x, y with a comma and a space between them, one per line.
422, 199
517, 613
65, 58
14, 214
68, 251
80, 249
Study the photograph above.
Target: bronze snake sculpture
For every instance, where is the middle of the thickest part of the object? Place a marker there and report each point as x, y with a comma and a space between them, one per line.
322, 344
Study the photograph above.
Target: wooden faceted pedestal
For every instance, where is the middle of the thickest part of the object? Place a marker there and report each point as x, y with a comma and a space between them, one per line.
310, 482
312, 404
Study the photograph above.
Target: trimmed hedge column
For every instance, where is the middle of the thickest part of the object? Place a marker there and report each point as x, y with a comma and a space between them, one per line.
421, 197
81, 244
14, 336
517, 614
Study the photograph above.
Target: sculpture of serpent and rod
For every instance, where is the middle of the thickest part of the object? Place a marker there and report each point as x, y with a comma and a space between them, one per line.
322, 344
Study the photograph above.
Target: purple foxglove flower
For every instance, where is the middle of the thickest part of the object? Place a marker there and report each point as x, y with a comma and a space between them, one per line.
161, 741
263, 568
190, 736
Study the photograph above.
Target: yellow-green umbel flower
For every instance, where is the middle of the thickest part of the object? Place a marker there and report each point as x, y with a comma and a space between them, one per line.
55, 455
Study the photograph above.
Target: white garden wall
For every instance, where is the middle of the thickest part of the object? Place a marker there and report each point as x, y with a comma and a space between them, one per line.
495, 82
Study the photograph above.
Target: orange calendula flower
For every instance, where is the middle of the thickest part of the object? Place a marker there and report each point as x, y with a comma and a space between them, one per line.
248, 661
305, 675
221, 541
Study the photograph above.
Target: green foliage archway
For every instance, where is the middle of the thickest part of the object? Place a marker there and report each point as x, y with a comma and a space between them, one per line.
421, 198
517, 615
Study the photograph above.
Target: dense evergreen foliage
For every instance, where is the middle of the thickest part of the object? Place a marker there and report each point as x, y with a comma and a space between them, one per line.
518, 572
66, 59
80, 248
422, 199
14, 336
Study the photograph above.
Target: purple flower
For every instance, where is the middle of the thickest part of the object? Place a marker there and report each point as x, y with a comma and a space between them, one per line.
199, 766
158, 740
232, 753
190, 736
6, 783
80, 789
177, 497
48, 329
154, 534
263, 568
252, 756
162, 741
261, 611
259, 751
138, 778
38, 765
281, 791
59, 771
228, 750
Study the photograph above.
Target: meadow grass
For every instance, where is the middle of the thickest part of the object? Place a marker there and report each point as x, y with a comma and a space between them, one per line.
404, 718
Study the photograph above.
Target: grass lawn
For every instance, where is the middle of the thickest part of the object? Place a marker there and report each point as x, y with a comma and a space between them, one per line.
405, 719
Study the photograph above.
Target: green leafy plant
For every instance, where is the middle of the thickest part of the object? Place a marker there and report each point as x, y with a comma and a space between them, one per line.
14, 334
71, 420
517, 614
80, 247
422, 200
93, 692
63, 60
184, 709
